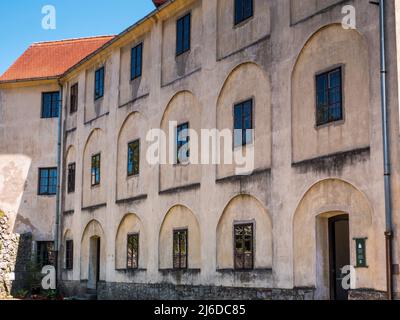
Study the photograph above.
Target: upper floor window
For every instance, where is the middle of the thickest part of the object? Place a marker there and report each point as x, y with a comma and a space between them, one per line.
183, 34
244, 252
71, 177
133, 251
133, 158
182, 143
47, 181
243, 123
50, 104
99, 83
329, 96
74, 99
180, 250
136, 61
69, 254
95, 173
243, 10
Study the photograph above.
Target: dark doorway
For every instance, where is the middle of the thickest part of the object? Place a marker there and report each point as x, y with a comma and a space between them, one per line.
339, 255
94, 263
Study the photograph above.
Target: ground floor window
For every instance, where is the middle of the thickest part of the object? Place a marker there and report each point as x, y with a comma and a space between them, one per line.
133, 251
180, 249
69, 254
244, 253
45, 253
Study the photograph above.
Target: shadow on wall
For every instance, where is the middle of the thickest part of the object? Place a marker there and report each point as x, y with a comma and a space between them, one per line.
16, 231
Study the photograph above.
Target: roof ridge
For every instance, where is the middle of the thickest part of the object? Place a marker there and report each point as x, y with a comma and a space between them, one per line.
71, 40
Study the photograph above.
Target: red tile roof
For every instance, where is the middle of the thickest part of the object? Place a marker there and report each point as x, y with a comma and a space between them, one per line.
52, 59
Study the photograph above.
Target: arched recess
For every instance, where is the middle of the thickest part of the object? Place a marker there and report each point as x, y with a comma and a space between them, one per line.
324, 200
133, 128
244, 209
95, 144
184, 107
179, 217
248, 81
329, 48
92, 236
130, 224
70, 158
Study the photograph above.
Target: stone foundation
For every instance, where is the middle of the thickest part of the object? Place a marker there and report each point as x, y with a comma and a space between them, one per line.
164, 291
367, 294
15, 254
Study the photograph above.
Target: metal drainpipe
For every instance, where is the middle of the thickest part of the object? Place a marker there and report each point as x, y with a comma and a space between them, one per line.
58, 196
386, 152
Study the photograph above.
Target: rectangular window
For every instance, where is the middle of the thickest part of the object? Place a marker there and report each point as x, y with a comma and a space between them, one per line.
71, 177
182, 143
243, 10
96, 170
243, 123
243, 254
180, 249
183, 34
47, 181
74, 99
329, 96
133, 251
136, 61
45, 253
69, 254
99, 83
50, 104
133, 158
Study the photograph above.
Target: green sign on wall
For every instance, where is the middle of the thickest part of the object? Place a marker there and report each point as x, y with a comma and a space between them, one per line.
361, 250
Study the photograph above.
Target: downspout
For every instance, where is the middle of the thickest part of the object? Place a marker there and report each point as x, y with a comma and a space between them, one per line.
386, 152
58, 195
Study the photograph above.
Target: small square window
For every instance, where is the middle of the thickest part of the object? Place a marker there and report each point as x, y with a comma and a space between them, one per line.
136, 61
50, 104
95, 172
99, 83
183, 34
329, 97
243, 10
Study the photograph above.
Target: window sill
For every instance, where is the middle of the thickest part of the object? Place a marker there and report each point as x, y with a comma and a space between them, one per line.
131, 271
179, 271
259, 271
242, 23
329, 124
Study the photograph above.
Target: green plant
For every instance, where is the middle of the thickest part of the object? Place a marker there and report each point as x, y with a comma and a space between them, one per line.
21, 294
50, 294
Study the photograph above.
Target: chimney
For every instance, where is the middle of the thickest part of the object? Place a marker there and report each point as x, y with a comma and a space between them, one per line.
158, 3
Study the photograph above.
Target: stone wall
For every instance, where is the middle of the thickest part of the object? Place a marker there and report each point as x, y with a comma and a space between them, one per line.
15, 254
164, 291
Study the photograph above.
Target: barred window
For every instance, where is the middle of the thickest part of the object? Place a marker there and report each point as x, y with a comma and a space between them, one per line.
47, 181
244, 253
50, 104
329, 96
69, 254
136, 61
243, 10
74, 99
183, 34
180, 249
99, 83
133, 158
133, 251
96, 161
71, 177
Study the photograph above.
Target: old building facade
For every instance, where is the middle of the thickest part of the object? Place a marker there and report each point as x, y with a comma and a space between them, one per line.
313, 203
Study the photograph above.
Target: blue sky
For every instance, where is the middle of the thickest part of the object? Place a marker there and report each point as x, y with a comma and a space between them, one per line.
21, 22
